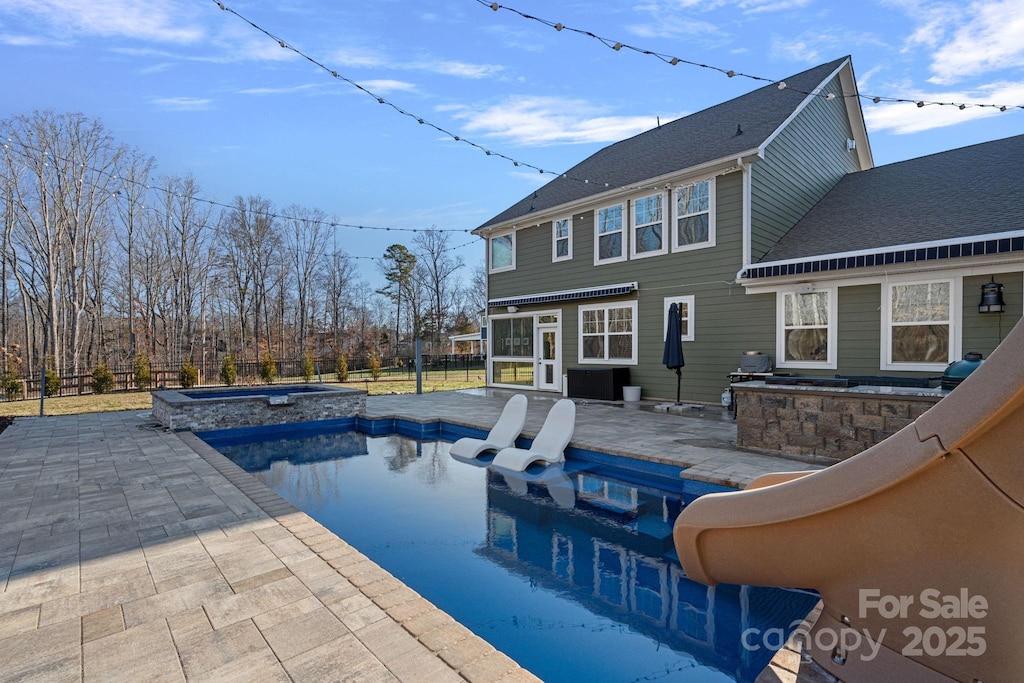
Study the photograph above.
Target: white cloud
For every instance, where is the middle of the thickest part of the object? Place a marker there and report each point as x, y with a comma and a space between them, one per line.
764, 6
989, 36
167, 21
383, 86
540, 121
906, 117
23, 41
287, 90
182, 103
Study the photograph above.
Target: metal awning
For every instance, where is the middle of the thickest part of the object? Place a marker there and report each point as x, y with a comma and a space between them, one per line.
565, 295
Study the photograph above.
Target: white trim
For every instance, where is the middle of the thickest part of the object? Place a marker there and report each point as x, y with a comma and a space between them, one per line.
748, 173
880, 274
716, 167
832, 355
894, 247
800, 107
490, 240
712, 211
555, 258
851, 96
632, 305
538, 348
955, 324
690, 315
624, 227
665, 214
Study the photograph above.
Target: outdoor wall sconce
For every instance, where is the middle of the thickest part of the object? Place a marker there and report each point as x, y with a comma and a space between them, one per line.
992, 298
513, 309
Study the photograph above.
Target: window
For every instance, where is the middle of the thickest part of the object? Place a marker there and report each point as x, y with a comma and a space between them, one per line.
806, 337
608, 333
648, 226
694, 225
686, 306
919, 322
502, 252
561, 240
511, 361
608, 235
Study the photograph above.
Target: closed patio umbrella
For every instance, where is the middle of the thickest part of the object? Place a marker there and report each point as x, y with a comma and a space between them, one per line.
672, 358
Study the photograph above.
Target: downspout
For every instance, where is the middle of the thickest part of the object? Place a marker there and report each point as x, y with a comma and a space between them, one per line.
745, 165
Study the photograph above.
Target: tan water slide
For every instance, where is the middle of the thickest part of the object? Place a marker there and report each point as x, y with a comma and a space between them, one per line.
916, 545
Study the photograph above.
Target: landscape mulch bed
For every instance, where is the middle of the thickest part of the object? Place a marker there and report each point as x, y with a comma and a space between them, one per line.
4, 421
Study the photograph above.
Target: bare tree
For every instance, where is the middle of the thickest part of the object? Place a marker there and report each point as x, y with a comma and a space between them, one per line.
133, 172
307, 234
438, 271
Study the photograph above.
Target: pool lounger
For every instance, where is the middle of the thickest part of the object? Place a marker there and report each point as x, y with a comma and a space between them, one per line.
920, 537
549, 445
502, 435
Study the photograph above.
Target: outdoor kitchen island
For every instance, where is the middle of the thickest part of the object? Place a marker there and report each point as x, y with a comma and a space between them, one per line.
825, 423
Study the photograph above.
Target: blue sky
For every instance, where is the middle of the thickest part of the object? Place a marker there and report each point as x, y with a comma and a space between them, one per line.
205, 93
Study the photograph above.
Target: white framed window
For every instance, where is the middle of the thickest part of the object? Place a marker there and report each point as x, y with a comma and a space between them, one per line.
501, 252
648, 226
806, 329
608, 333
561, 240
608, 235
919, 324
693, 220
687, 315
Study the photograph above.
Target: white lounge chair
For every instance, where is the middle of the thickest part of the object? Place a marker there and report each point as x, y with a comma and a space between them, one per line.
502, 435
549, 446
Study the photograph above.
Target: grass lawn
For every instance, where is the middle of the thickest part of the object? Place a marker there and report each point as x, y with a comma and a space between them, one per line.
140, 400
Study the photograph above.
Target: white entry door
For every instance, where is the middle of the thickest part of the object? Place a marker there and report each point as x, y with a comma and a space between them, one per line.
549, 353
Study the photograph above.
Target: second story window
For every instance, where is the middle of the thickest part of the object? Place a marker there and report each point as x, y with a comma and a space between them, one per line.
502, 252
608, 235
649, 226
694, 224
561, 239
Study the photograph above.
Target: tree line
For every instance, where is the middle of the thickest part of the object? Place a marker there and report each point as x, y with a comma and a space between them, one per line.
106, 262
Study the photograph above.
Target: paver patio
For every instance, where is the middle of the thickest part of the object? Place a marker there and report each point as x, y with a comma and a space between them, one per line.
131, 553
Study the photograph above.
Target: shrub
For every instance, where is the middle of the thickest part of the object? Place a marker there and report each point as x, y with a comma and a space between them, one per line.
228, 371
102, 379
341, 367
142, 375
308, 369
11, 385
373, 363
268, 368
188, 375
52, 382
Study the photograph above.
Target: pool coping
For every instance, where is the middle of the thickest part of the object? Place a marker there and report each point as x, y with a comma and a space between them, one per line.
465, 653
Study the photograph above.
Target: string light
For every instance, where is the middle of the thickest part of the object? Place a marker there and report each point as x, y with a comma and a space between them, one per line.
211, 202
674, 60
457, 138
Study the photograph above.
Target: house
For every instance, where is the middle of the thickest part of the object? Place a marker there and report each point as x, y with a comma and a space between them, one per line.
765, 220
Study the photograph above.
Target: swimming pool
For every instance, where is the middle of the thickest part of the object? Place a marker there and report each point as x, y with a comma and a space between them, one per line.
573, 575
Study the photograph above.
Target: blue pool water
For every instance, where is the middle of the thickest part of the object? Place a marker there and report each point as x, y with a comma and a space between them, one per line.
245, 392
574, 576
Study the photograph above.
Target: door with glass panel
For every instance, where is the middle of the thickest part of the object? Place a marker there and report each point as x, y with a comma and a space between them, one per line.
549, 353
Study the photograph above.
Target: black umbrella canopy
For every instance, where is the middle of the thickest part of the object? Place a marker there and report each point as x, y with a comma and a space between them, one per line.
672, 358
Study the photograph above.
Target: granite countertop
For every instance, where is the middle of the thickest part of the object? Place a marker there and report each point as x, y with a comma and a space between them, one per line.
907, 392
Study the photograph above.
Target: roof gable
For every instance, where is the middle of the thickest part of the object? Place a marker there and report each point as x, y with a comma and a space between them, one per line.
731, 128
966, 192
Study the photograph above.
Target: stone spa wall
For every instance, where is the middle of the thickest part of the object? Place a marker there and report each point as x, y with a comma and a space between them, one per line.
202, 410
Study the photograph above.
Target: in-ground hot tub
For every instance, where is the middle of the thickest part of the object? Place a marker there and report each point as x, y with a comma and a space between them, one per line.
228, 407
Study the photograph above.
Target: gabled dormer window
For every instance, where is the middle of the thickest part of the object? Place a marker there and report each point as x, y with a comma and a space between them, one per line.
648, 226
561, 240
694, 219
501, 252
608, 232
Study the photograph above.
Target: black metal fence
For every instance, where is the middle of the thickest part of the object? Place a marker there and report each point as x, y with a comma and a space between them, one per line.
454, 366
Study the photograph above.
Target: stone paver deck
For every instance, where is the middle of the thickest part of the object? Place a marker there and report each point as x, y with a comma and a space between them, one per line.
130, 553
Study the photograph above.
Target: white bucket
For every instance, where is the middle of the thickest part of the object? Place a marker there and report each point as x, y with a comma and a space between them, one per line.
630, 393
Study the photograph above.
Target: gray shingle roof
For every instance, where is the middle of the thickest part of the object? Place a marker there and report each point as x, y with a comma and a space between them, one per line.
966, 192
684, 143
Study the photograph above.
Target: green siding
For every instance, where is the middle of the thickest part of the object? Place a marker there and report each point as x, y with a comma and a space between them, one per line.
727, 321
983, 331
800, 165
